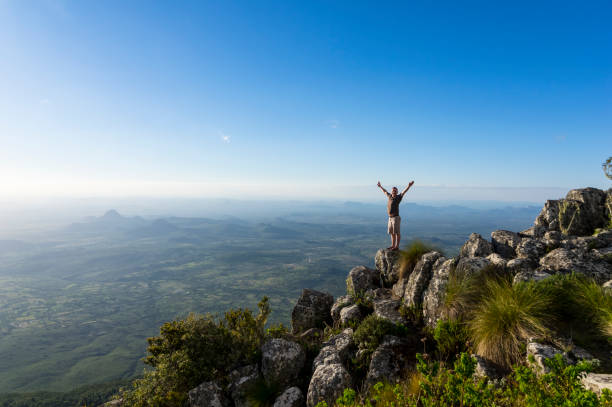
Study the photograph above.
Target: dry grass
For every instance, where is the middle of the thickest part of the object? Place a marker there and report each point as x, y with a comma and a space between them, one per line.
411, 255
506, 317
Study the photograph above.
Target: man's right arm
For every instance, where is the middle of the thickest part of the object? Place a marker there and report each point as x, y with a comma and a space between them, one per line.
381, 187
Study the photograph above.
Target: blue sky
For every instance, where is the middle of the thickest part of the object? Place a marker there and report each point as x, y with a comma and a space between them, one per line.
304, 99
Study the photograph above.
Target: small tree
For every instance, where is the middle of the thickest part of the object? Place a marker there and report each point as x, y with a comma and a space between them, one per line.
607, 167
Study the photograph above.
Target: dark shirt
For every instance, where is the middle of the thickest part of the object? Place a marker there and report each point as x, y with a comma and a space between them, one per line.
393, 204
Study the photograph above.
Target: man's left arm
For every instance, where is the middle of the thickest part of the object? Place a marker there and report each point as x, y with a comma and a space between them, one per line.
407, 188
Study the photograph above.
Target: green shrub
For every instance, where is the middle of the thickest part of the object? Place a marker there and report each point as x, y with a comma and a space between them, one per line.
371, 331
451, 338
506, 317
194, 350
411, 255
277, 331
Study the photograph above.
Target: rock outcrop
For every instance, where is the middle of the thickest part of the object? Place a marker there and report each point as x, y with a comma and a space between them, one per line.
476, 246
281, 361
433, 299
327, 384
388, 265
311, 311
505, 243
390, 360
419, 279
362, 279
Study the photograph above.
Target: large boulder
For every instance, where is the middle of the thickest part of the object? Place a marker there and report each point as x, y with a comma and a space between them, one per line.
208, 394
388, 264
341, 302
476, 246
352, 313
597, 382
311, 311
531, 249
593, 264
505, 243
241, 380
362, 279
281, 361
561, 260
390, 360
419, 279
338, 349
549, 216
471, 265
433, 298
292, 397
327, 384
389, 309
582, 211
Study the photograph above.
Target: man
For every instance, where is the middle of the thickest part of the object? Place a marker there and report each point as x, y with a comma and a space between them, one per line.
393, 210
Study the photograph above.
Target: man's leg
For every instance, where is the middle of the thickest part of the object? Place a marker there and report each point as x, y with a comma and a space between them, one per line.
392, 236
397, 240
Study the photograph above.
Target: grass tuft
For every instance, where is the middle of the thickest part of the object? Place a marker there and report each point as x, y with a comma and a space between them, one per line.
411, 255
507, 316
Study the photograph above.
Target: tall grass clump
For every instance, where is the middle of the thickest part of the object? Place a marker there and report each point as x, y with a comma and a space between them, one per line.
506, 317
581, 302
596, 302
411, 255
465, 290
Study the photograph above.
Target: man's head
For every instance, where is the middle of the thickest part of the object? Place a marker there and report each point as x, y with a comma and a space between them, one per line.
394, 191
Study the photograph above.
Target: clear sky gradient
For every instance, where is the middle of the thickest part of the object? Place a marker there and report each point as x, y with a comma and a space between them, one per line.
303, 99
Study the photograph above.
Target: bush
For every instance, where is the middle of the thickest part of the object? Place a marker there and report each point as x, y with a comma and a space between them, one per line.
371, 331
451, 338
194, 350
506, 317
411, 255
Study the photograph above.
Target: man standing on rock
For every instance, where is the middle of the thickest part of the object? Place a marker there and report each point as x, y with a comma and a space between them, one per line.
394, 218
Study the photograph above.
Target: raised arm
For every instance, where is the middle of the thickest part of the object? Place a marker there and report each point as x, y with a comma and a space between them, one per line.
407, 188
381, 187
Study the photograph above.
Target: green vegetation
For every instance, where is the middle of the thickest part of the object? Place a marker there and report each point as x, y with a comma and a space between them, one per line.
371, 331
506, 317
435, 385
194, 350
498, 316
90, 395
411, 255
451, 338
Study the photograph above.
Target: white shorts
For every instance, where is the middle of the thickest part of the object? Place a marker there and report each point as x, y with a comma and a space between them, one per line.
394, 225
